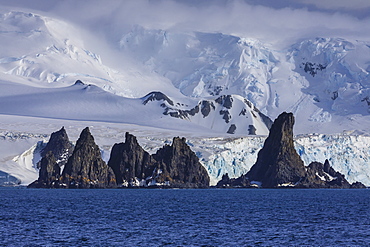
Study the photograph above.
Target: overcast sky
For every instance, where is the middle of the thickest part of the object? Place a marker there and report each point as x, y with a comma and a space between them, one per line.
274, 21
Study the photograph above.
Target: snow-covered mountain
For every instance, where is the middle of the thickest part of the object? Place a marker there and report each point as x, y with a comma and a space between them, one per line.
226, 114
320, 80
324, 82
338, 74
72, 62
213, 87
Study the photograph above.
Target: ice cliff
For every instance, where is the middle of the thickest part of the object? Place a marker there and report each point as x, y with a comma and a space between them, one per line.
348, 154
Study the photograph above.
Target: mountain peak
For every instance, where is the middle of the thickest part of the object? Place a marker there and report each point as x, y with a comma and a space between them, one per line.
156, 96
78, 82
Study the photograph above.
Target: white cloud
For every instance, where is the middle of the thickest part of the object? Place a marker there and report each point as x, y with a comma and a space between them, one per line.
273, 22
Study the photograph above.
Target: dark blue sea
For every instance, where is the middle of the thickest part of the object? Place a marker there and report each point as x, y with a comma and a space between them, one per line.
209, 217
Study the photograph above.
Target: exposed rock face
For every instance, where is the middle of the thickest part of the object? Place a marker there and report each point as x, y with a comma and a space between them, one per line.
232, 129
278, 162
313, 68
252, 130
206, 107
157, 96
180, 166
331, 177
172, 166
225, 101
49, 173
54, 155
235, 113
358, 185
324, 176
79, 82
130, 161
85, 168
60, 146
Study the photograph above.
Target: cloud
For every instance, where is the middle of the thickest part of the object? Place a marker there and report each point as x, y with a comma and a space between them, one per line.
279, 22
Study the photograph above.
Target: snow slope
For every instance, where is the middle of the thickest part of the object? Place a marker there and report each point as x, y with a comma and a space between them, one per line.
48, 52
91, 103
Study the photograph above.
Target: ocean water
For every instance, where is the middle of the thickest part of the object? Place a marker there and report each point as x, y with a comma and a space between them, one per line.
196, 217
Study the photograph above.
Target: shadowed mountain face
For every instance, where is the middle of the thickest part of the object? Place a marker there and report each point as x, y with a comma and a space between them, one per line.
278, 162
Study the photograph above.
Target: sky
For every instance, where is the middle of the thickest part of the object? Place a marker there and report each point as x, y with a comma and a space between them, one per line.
279, 22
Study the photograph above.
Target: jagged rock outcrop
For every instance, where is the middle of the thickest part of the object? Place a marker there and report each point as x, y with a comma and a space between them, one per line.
178, 165
278, 162
318, 175
324, 176
358, 185
85, 168
329, 177
60, 146
130, 162
49, 173
175, 166
54, 155
79, 82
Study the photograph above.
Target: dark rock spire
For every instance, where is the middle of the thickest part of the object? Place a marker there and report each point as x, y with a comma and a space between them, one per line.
85, 168
278, 162
129, 161
54, 155
179, 165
